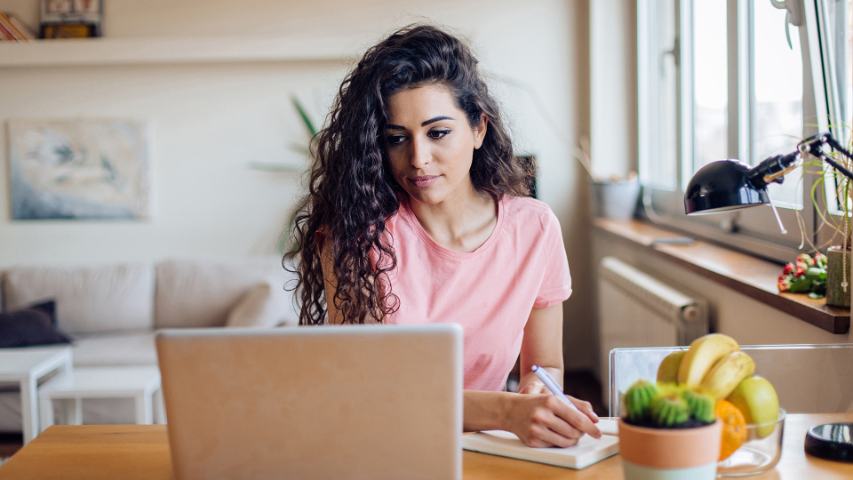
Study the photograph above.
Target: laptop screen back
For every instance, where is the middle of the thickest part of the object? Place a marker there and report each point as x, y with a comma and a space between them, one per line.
368, 402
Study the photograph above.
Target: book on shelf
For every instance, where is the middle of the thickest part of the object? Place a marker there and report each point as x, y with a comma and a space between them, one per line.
12, 29
6, 31
25, 31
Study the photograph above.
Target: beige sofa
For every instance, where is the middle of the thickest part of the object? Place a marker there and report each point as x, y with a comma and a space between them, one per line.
112, 311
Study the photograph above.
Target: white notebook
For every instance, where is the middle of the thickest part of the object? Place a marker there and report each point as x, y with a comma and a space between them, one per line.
587, 452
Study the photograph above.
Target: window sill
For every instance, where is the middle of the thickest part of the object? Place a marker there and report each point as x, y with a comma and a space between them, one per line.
748, 275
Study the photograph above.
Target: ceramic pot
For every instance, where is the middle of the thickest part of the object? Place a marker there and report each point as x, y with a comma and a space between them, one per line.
669, 453
616, 199
837, 264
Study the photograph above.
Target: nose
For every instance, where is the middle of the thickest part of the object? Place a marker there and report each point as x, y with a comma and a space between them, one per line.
420, 154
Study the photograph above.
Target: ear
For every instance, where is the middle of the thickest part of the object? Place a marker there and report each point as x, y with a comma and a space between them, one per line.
479, 131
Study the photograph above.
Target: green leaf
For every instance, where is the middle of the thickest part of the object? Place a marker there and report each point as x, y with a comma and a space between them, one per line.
815, 273
306, 120
800, 285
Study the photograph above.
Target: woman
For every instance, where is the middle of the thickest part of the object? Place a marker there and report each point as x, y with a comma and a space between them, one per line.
417, 212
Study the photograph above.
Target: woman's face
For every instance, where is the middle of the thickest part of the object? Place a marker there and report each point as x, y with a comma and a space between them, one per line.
430, 144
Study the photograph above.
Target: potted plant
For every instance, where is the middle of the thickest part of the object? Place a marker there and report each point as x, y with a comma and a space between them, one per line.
668, 432
835, 280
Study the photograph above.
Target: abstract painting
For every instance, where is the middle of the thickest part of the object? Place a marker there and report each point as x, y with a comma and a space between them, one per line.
92, 169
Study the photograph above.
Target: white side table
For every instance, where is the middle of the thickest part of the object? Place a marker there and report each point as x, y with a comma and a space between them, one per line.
141, 384
26, 367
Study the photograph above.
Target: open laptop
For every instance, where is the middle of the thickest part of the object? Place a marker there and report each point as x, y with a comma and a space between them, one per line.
331, 402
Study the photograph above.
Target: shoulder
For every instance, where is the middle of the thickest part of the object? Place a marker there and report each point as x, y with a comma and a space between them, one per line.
529, 212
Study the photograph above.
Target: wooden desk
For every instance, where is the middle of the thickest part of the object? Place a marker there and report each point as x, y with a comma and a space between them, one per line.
129, 452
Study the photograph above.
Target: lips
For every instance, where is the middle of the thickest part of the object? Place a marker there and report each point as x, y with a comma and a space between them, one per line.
423, 181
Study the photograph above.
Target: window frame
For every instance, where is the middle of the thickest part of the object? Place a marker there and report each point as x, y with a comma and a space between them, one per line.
752, 230
834, 76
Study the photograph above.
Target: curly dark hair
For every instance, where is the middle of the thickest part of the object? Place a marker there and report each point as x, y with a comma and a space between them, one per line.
351, 191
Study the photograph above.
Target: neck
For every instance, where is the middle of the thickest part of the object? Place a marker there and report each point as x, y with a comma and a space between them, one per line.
462, 222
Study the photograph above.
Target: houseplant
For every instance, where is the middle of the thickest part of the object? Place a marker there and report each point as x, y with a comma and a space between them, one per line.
668, 432
285, 238
837, 264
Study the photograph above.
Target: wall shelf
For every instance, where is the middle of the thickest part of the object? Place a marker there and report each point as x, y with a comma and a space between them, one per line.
135, 51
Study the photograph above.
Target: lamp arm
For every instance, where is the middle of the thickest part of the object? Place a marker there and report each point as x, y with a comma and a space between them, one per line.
814, 145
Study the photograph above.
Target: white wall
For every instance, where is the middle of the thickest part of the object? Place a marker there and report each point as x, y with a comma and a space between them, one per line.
210, 120
207, 122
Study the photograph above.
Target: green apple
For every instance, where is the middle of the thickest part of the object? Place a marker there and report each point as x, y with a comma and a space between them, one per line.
756, 398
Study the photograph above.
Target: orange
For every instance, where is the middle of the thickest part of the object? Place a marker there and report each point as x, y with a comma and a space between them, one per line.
734, 428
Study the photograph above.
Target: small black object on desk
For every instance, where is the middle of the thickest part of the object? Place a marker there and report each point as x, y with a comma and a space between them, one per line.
832, 441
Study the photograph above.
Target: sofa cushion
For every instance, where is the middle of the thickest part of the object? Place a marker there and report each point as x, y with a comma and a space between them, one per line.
131, 348
255, 309
196, 293
88, 299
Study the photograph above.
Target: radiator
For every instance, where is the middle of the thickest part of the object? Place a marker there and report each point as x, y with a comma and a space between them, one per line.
637, 310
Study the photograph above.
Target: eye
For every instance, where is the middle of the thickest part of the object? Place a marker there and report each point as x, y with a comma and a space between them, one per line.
436, 134
395, 139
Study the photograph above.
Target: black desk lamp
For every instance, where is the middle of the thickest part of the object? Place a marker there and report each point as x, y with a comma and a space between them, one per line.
727, 185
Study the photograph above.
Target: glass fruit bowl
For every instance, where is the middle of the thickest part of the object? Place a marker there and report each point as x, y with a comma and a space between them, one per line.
760, 451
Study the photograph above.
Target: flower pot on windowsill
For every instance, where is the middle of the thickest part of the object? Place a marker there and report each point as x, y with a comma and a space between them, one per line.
837, 277
669, 453
616, 198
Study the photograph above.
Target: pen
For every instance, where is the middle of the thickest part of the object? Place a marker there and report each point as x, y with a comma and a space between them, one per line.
555, 389
552, 385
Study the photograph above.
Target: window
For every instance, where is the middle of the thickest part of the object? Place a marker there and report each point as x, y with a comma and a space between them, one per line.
776, 95
658, 53
743, 79
710, 89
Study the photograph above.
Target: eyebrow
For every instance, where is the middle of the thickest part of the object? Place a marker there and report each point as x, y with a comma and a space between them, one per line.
391, 126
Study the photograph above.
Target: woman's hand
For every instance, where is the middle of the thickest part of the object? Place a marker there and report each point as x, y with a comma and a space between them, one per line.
534, 386
543, 420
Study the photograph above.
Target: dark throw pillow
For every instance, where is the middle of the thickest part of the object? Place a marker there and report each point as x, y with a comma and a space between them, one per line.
35, 325
48, 307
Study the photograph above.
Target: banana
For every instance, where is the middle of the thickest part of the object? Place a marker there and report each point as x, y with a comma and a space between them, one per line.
726, 374
668, 368
702, 355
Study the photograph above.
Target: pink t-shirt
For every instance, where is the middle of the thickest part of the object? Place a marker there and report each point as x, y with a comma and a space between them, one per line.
491, 291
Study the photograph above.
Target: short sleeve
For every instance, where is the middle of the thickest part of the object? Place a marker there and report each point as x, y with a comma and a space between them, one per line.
556, 285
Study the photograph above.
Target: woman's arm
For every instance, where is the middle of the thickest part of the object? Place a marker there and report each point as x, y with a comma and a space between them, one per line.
542, 345
535, 415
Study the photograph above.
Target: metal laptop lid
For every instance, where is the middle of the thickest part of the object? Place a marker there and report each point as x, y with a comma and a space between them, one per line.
370, 401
